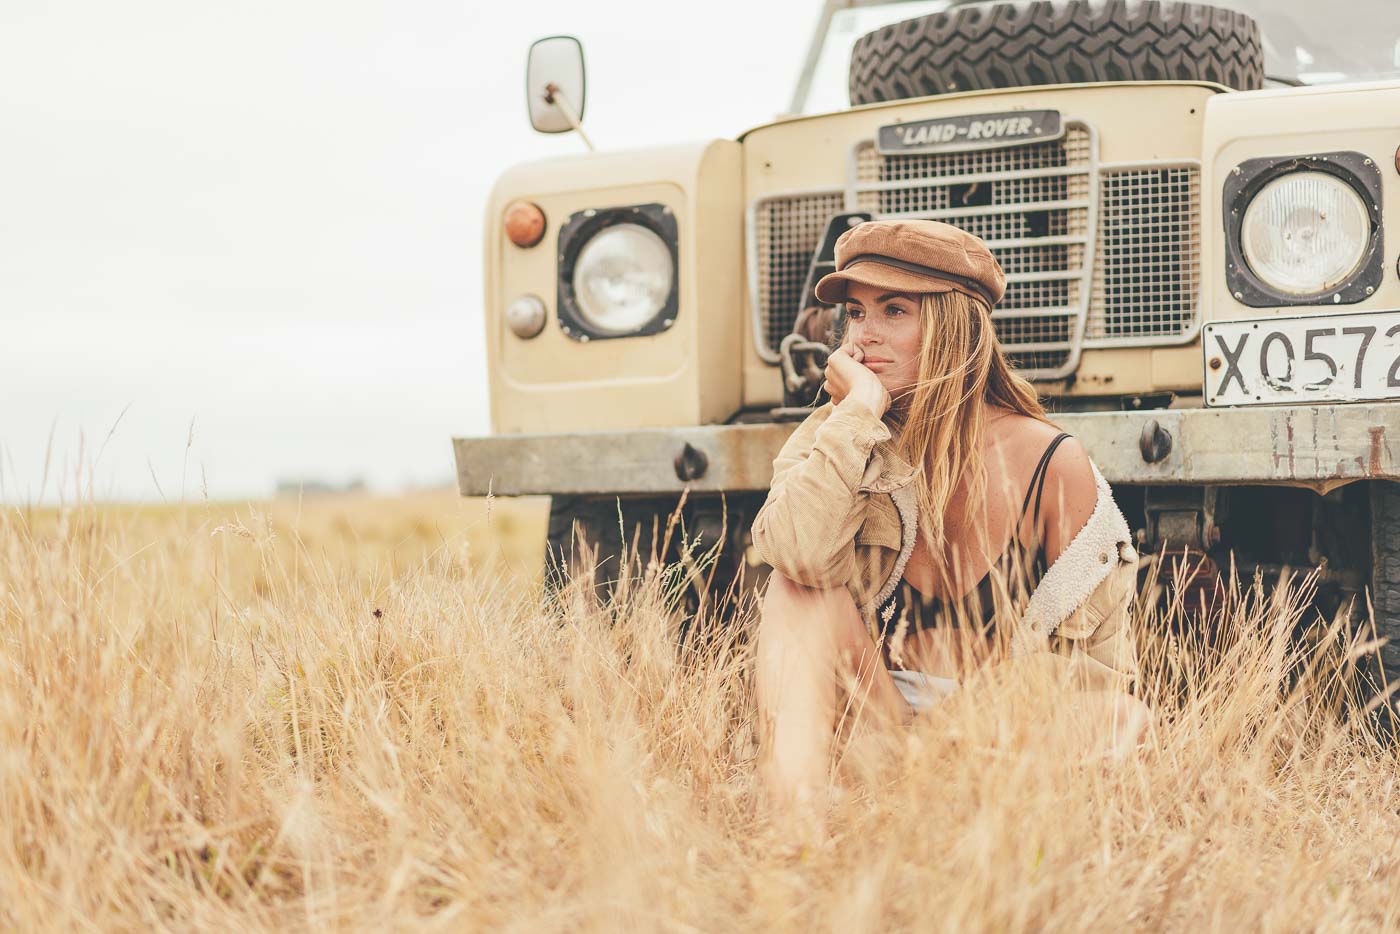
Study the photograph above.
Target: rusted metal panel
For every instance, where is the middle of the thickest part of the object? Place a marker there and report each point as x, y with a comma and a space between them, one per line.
1320, 447
738, 457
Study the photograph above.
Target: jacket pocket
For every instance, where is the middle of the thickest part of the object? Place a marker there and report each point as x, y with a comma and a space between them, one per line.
1108, 601
881, 526
1099, 633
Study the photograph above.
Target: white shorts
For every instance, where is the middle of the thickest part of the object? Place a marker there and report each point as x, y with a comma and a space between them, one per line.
920, 690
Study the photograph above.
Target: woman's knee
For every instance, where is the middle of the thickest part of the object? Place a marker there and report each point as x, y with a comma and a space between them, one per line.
785, 613
790, 604
814, 616
782, 587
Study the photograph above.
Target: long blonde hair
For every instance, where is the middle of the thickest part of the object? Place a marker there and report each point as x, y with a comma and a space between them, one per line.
940, 423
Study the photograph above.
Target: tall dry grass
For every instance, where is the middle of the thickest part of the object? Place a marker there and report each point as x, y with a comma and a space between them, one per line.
209, 722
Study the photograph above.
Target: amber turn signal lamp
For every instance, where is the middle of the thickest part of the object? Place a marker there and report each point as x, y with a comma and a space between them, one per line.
524, 223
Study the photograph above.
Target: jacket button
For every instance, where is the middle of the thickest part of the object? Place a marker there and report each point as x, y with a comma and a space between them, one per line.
1103, 557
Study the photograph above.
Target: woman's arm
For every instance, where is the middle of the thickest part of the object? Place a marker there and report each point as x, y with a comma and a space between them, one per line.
1098, 634
806, 529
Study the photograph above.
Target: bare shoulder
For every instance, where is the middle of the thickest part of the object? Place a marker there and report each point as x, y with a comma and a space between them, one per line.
1070, 471
1071, 493
1024, 440
1070, 490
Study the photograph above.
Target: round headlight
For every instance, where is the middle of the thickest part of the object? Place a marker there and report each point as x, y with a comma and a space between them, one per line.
1305, 232
622, 278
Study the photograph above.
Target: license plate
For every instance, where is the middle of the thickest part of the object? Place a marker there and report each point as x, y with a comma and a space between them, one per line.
1316, 358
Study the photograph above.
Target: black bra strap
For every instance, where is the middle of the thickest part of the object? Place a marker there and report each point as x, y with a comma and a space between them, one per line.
1038, 478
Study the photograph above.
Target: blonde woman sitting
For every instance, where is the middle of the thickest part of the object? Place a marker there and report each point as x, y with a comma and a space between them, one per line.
908, 514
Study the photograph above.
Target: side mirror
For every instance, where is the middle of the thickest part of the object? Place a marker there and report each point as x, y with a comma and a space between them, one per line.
554, 84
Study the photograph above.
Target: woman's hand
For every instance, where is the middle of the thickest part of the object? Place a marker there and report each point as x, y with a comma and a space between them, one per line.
847, 377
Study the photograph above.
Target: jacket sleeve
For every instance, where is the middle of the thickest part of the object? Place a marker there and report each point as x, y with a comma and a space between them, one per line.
1091, 650
1098, 636
806, 527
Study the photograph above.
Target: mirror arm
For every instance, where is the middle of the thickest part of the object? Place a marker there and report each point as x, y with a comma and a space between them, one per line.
552, 95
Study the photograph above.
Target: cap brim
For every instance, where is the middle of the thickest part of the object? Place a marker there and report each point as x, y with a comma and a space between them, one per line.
832, 286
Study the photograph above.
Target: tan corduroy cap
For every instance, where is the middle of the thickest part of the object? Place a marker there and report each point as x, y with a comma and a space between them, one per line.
914, 256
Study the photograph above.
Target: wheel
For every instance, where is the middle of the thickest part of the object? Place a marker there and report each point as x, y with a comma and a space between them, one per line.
597, 522
594, 521
1001, 45
1385, 574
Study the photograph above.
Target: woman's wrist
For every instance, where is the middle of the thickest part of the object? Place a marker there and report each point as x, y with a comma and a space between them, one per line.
860, 406
876, 405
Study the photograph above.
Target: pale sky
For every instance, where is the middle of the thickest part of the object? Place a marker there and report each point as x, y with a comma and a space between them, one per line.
264, 219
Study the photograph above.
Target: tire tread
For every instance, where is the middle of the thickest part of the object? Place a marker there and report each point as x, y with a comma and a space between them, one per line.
996, 45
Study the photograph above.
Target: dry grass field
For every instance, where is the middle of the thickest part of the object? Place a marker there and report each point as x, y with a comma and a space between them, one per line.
361, 713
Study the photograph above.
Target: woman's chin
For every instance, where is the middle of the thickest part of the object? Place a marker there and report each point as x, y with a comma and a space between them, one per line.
897, 389
900, 398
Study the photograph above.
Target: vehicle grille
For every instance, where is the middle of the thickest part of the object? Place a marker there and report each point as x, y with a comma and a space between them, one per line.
1037, 206
1033, 206
786, 232
1147, 264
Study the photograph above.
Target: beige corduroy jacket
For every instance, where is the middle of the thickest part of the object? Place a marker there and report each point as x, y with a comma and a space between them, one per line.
841, 512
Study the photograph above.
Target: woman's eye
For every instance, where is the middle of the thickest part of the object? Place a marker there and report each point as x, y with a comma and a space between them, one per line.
854, 313
893, 310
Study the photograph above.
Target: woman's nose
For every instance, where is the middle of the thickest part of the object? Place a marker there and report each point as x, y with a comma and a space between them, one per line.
866, 334
861, 332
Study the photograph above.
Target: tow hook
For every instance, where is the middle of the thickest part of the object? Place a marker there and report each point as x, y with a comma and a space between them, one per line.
691, 463
802, 376
1155, 442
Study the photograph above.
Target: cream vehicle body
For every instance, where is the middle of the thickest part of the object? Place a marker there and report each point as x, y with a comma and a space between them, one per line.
1241, 392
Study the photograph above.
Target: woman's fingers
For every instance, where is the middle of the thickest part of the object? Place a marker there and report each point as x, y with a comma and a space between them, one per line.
848, 371
842, 372
834, 385
856, 379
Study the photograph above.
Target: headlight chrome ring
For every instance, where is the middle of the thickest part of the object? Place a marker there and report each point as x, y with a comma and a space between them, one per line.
1261, 192
618, 273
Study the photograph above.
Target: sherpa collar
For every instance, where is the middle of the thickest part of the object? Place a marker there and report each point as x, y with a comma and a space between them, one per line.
907, 504
1081, 566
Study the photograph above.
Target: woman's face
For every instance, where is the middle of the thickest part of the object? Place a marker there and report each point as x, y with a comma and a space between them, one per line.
886, 326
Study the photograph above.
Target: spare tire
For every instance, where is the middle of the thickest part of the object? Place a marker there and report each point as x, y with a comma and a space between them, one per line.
1005, 45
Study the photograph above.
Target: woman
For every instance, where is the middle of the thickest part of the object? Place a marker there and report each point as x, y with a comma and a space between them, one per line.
934, 471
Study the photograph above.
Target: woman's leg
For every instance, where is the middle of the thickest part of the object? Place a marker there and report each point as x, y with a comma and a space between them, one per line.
1117, 722
1036, 695
813, 656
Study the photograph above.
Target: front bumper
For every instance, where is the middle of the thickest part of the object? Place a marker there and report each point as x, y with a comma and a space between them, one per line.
1319, 447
